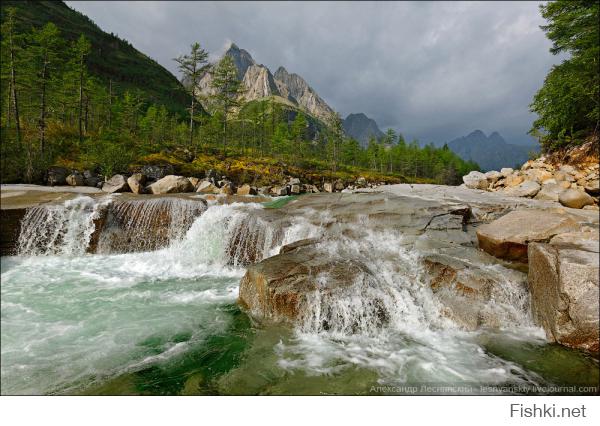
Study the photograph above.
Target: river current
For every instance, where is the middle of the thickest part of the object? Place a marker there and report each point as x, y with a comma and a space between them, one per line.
165, 321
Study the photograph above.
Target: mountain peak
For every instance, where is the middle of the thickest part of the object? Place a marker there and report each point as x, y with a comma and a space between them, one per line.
241, 58
477, 133
361, 128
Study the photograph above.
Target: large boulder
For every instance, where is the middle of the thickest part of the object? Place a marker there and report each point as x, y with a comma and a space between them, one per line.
171, 184
508, 236
206, 187
575, 199
513, 180
288, 288
528, 188
492, 176
563, 281
157, 171
246, 190
227, 188
136, 183
475, 180
75, 179
91, 178
117, 183
56, 175
506, 171
328, 187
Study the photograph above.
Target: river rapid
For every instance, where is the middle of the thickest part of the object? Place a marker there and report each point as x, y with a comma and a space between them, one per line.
140, 318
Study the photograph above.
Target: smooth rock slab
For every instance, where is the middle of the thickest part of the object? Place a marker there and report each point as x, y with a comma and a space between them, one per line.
508, 236
528, 188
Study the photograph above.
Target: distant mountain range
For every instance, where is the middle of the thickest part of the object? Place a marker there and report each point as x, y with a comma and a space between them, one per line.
490, 152
361, 128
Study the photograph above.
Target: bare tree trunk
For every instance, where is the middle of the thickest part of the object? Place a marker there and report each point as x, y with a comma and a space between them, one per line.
80, 114
42, 123
13, 85
109, 103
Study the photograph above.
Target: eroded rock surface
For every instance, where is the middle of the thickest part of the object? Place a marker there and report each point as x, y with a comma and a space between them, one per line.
563, 280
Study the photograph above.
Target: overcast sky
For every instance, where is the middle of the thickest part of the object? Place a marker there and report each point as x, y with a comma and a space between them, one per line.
432, 70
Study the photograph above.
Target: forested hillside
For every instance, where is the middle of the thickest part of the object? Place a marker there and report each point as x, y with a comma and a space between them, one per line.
77, 97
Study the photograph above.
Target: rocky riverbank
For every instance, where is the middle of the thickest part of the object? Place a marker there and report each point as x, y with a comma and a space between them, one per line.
570, 179
156, 179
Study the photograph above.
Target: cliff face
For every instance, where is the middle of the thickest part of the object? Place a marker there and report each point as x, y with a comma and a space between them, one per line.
296, 87
259, 83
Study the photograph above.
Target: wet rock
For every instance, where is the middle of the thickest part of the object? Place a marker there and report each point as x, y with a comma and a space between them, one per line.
328, 187
171, 184
283, 289
75, 179
56, 176
246, 190
206, 187
156, 172
136, 183
563, 280
508, 236
528, 188
10, 227
475, 180
338, 185
575, 199
117, 183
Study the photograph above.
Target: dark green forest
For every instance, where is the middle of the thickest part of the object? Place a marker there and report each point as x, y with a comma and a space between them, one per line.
77, 97
568, 104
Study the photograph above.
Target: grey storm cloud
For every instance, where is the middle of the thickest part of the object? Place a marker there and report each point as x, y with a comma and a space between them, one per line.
431, 70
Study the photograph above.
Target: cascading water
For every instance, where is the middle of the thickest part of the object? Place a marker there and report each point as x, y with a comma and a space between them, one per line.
164, 321
62, 229
147, 224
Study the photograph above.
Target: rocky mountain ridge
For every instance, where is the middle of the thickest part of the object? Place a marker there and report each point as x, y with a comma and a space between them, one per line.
261, 83
490, 152
361, 128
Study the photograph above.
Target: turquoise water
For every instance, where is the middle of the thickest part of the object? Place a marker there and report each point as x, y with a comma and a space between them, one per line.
166, 322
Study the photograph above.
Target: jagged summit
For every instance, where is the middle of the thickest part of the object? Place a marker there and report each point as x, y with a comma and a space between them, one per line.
260, 83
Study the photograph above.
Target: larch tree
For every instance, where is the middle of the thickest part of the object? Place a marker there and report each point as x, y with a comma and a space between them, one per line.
228, 91
192, 67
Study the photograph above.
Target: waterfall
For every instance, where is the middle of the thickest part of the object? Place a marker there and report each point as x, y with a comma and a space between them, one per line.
106, 225
60, 229
147, 224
